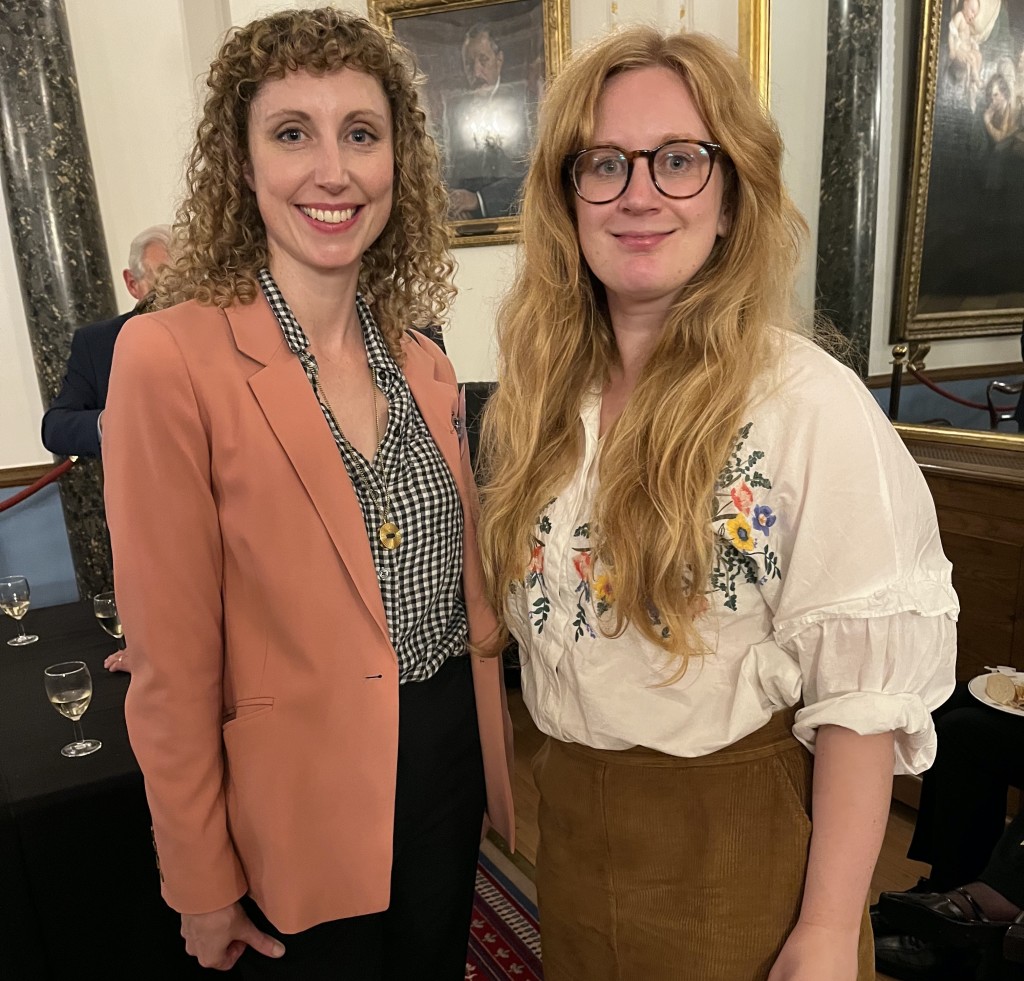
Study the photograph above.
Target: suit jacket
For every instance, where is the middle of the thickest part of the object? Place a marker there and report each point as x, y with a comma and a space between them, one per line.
263, 705
69, 425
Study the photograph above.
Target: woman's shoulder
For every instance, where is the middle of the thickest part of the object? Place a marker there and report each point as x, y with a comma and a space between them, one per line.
420, 346
821, 422
810, 393
807, 371
180, 319
188, 332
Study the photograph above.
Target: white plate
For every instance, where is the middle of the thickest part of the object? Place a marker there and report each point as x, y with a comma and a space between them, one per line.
976, 686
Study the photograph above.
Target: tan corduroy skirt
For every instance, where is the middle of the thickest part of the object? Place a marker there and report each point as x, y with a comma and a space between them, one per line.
657, 868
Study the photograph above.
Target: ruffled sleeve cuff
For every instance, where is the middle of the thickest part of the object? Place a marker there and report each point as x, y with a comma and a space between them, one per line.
882, 671
869, 713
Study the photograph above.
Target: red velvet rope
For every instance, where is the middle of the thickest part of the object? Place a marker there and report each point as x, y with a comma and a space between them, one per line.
924, 380
47, 478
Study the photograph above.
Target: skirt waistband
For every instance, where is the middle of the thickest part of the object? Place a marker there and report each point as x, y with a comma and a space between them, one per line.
774, 737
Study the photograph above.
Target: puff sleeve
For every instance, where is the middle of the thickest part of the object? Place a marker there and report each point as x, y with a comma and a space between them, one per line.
866, 607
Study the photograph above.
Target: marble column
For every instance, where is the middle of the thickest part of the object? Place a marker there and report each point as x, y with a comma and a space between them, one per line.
849, 171
55, 226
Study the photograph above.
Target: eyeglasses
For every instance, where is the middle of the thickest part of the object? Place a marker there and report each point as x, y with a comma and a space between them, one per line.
679, 169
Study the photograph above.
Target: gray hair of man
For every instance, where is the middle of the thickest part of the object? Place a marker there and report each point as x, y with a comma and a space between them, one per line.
145, 238
480, 29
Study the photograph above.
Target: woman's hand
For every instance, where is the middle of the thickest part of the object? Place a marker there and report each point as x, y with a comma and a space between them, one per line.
117, 662
219, 938
851, 795
462, 204
816, 953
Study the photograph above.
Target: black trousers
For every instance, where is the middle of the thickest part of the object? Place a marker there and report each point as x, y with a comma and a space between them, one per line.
962, 813
439, 807
1005, 869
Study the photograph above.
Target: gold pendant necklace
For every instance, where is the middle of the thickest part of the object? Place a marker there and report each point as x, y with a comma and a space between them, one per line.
389, 533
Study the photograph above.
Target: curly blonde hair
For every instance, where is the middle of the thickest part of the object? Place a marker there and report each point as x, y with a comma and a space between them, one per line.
221, 241
660, 460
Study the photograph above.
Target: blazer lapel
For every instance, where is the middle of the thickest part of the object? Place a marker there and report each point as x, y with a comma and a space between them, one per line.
438, 402
291, 409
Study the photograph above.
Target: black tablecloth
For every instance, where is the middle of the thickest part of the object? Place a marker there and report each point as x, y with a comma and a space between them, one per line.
79, 888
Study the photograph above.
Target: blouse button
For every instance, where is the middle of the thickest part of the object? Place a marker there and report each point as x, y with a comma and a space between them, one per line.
382, 574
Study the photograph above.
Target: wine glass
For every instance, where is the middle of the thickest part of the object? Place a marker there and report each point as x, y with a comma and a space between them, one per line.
105, 608
69, 688
14, 595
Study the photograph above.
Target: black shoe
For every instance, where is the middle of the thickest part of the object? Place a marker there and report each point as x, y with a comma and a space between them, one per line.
1013, 942
952, 918
910, 959
880, 926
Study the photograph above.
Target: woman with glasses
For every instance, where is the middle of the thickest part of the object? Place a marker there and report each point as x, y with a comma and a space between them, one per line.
713, 549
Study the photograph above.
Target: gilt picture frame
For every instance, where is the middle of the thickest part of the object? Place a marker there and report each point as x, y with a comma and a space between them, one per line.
963, 231
485, 64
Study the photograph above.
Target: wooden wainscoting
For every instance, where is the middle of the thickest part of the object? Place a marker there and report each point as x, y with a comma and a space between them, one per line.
977, 482
23, 476
983, 536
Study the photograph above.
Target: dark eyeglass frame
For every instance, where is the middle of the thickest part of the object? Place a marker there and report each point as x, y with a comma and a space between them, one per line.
714, 150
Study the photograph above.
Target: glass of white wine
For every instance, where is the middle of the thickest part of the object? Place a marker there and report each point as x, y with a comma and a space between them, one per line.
14, 596
69, 688
105, 608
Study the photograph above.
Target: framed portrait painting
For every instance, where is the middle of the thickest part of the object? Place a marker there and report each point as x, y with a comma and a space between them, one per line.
962, 272
485, 63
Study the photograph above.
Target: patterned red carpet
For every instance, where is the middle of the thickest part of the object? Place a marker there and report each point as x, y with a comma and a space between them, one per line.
504, 940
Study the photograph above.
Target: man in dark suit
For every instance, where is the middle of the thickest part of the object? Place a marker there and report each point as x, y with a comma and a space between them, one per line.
73, 425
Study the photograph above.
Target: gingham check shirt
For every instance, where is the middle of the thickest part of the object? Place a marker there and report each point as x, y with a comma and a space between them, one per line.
421, 580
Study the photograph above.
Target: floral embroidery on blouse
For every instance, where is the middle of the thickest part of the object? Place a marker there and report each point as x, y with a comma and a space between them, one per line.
604, 592
742, 528
534, 578
582, 562
742, 554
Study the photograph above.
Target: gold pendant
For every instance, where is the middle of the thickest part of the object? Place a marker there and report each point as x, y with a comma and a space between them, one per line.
390, 536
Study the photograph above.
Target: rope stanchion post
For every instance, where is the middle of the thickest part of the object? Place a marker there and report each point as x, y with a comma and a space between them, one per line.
899, 362
906, 356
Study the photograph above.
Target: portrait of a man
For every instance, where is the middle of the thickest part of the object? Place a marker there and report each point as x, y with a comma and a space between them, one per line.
486, 134
484, 65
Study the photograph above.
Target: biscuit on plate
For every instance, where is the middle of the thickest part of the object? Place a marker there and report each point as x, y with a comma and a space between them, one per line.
1000, 689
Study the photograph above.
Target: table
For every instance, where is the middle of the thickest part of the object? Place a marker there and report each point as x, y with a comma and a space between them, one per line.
79, 888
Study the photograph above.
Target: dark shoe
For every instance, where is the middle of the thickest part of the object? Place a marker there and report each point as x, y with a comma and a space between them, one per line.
952, 918
911, 960
1013, 942
880, 926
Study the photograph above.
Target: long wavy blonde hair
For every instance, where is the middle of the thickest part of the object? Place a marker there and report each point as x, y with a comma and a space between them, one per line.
660, 460
221, 241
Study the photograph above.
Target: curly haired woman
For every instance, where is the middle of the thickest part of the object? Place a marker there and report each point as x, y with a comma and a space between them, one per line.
712, 547
291, 509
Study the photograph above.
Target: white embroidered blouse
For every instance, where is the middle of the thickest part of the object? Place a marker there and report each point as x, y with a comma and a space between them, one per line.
829, 585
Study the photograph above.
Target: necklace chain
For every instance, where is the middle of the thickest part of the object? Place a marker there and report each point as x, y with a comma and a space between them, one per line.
389, 534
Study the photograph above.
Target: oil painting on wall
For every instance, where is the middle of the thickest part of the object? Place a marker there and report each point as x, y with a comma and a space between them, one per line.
963, 268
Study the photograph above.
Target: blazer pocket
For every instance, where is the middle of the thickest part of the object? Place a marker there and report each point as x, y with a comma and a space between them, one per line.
246, 709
